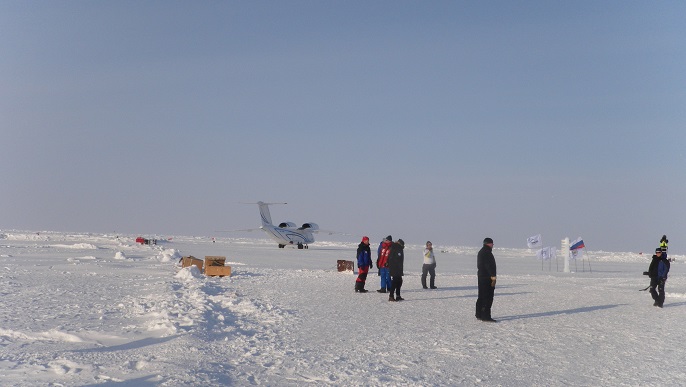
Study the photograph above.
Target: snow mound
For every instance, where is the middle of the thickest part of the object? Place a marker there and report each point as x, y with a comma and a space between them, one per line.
188, 273
78, 246
120, 255
51, 335
169, 255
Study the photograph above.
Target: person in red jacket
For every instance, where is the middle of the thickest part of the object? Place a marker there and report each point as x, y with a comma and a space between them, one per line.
381, 261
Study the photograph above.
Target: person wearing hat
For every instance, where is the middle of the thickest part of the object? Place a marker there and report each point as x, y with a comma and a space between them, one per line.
664, 246
486, 276
364, 262
381, 263
429, 266
657, 271
396, 259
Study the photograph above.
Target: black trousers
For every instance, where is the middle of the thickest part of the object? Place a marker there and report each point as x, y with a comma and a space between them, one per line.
485, 299
431, 270
657, 290
396, 284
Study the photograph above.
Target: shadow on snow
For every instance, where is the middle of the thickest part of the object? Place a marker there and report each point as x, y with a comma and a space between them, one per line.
559, 312
131, 345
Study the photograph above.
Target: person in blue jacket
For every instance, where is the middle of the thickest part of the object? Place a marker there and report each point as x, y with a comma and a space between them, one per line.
659, 268
364, 263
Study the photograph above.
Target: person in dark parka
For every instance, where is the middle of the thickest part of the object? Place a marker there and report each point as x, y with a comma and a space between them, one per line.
486, 276
364, 263
396, 259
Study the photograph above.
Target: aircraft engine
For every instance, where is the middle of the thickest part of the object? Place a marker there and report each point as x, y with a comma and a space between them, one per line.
311, 225
287, 225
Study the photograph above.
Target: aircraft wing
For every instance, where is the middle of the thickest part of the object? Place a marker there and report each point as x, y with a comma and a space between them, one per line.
244, 230
329, 232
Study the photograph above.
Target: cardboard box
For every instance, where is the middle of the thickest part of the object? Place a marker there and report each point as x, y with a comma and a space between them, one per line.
222, 271
344, 265
211, 260
191, 260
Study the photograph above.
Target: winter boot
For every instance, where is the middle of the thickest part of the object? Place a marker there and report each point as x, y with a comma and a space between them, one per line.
481, 313
390, 298
398, 298
487, 315
382, 290
363, 290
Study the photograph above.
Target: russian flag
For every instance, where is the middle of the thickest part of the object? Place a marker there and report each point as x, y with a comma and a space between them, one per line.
577, 244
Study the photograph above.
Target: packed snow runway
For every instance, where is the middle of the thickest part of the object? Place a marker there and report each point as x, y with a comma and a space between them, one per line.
94, 309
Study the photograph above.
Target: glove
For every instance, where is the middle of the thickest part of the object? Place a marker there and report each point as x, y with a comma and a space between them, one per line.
493, 281
371, 266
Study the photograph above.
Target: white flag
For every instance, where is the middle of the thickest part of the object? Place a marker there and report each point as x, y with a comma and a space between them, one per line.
534, 241
576, 254
546, 253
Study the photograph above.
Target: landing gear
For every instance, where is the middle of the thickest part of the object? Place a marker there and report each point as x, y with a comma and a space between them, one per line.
300, 246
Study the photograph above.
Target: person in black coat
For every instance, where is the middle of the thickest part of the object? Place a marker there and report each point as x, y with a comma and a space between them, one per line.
396, 259
486, 276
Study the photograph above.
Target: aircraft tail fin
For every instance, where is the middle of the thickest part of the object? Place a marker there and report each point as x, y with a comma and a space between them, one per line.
264, 213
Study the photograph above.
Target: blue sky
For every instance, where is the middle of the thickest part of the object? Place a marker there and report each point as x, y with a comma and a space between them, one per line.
448, 121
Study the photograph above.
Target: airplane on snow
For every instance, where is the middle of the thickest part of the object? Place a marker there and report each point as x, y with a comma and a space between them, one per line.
287, 233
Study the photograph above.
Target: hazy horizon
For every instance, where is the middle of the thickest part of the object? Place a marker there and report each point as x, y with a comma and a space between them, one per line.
444, 121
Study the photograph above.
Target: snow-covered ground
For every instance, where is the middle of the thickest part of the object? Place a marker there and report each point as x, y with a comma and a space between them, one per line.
93, 309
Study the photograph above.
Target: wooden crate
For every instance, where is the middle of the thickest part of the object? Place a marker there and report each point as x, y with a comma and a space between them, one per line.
344, 265
214, 266
191, 260
222, 271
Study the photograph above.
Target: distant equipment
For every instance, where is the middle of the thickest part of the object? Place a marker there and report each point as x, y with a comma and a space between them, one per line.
145, 241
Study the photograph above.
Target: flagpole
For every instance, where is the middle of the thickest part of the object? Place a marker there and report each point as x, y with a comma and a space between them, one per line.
589, 260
